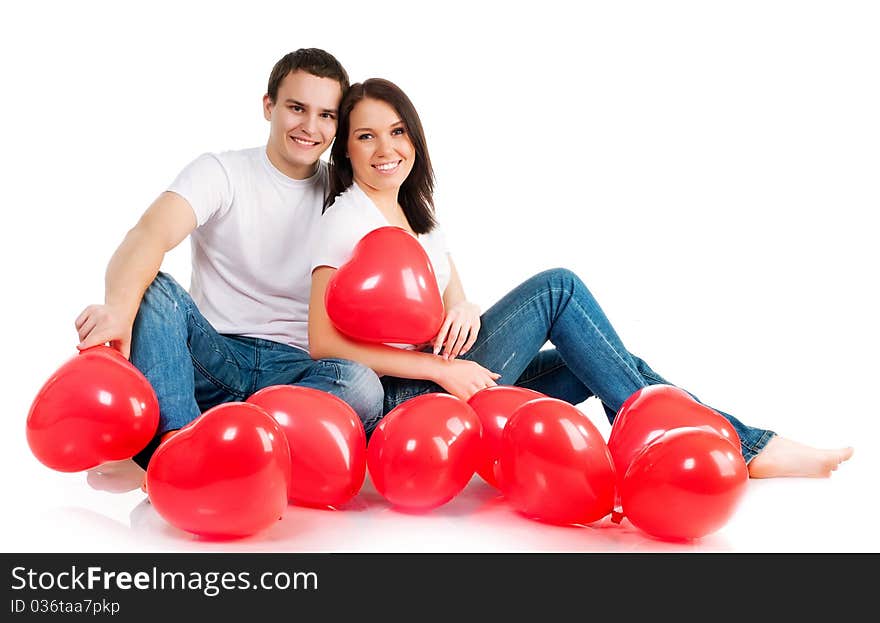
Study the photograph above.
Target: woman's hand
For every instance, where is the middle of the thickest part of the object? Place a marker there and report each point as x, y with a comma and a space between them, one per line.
459, 330
463, 378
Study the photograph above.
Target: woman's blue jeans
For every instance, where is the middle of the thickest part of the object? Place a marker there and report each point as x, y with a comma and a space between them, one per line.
193, 368
589, 358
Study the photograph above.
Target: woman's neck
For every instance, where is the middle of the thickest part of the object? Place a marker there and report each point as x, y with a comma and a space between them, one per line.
386, 201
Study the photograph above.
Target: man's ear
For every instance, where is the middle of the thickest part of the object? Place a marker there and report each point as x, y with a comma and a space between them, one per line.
268, 105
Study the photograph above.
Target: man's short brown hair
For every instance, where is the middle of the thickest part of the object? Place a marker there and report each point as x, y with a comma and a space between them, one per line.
311, 60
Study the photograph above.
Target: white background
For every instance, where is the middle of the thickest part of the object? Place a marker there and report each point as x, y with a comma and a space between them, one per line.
709, 169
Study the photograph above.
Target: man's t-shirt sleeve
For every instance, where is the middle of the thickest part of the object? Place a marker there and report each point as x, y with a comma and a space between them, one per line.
205, 184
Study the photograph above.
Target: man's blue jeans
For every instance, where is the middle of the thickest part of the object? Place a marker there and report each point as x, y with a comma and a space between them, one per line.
589, 358
193, 368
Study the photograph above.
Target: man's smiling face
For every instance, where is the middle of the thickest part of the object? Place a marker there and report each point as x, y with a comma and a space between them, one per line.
302, 122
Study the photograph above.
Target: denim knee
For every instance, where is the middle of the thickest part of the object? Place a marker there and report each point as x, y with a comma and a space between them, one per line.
563, 278
360, 387
163, 296
558, 280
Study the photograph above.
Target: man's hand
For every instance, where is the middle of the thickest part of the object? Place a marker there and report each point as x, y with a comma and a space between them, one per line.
463, 378
459, 330
99, 324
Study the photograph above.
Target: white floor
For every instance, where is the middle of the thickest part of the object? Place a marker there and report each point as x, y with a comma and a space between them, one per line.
105, 511
714, 185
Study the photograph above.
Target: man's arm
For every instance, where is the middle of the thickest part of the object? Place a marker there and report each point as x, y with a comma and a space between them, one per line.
132, 268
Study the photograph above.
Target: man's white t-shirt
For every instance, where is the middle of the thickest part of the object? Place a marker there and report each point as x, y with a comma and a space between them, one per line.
351, 217
250, 263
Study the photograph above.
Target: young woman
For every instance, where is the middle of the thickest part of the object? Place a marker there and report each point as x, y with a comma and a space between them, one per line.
382, 175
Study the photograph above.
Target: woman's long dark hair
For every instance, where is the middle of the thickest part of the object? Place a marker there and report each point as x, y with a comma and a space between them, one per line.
416, 195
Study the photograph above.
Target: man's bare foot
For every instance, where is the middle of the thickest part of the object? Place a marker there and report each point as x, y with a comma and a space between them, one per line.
783, 457
115, 476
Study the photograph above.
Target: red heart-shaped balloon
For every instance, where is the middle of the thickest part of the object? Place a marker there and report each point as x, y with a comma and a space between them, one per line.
685, 484
554, 464
328, 446
95, 408
387, 291
494, 406
653, 410
424, 452
224, 475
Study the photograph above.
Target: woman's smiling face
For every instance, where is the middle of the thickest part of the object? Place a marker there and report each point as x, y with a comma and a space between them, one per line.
379, 147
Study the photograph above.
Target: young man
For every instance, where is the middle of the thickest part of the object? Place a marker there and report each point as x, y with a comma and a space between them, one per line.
250, 215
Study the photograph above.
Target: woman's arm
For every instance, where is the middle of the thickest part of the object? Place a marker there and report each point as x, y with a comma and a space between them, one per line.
454, 293
462, 323
326, 341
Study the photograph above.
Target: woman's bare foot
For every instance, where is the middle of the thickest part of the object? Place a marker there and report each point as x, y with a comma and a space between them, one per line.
783, 457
